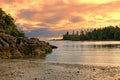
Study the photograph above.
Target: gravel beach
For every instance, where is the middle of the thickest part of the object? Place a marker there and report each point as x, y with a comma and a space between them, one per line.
41, 70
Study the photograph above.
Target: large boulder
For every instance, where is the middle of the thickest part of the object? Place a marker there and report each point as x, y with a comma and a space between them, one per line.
12, 47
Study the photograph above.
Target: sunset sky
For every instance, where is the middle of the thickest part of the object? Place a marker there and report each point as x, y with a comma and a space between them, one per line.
52, 18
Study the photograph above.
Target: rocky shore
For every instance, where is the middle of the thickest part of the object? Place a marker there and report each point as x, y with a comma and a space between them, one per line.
19, 47
37, 69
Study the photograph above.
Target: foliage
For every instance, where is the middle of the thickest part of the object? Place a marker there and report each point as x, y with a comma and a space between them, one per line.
8, 26
106, 33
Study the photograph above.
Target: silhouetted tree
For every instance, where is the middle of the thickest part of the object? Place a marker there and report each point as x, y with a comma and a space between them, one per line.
8, 26
106, 33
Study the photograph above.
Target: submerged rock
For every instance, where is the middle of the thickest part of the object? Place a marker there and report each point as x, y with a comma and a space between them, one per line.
54, 47
12, 47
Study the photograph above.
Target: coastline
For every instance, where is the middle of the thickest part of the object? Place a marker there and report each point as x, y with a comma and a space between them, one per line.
36, 69
81, 40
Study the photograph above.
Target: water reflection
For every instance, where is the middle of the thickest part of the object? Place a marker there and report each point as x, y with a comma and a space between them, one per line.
105, 46
85, 52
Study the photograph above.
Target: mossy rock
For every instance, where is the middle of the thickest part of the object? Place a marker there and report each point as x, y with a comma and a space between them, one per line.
5, 55
16, 54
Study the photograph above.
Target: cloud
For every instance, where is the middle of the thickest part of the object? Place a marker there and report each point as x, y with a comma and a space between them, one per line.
7, 1
53, 19
27, 14
42, 25
114, 21
77, 19
45, 16
44, 32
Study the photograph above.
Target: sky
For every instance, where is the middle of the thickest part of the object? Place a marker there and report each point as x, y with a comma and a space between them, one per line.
52, 18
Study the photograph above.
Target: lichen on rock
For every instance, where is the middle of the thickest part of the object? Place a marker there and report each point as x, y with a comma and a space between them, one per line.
12, 47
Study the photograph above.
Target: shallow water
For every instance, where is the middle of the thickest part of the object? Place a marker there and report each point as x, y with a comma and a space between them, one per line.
87, 52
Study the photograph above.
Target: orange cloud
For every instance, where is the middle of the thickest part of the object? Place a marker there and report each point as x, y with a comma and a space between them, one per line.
62, 14
94, 1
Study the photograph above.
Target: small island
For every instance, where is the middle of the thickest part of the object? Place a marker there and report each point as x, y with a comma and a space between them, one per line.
108, 33
14, 44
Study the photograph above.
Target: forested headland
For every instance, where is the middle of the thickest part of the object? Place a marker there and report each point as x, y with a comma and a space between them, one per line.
7, 25
14, 43
100, 34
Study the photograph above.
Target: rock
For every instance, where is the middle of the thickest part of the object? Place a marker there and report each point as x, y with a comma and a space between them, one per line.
3, 43
53, 47
12, 47
10, 40
78, 71
19, 41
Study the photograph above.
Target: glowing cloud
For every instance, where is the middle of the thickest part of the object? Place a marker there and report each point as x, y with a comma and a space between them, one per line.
62, 15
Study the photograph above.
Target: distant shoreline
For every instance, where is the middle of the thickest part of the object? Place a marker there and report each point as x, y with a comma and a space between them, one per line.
56, 40
80, 40
106, 33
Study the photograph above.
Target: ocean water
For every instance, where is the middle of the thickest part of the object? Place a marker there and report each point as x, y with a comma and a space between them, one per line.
88, 52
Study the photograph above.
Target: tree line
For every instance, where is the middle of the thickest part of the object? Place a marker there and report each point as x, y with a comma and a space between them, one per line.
106, 33
7, 25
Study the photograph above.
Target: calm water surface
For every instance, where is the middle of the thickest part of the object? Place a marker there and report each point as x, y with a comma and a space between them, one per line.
99, 52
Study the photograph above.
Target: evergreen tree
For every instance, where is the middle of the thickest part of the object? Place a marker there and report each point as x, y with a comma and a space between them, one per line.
8, 26
107, 33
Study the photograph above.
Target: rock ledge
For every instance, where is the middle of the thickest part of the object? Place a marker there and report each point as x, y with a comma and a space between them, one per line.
12, 47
